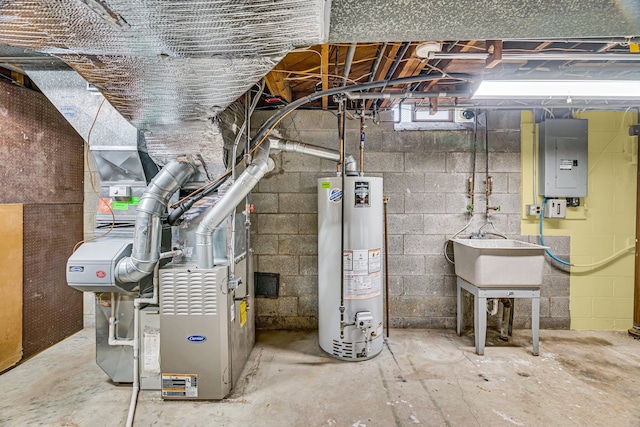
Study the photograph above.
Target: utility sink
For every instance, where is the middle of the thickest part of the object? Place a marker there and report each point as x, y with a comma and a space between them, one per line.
499, 262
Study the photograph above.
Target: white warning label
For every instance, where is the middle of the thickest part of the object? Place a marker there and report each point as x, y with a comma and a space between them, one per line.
151, 342
347, 260
362, 286
566, 164
179, 385
375, 263
360, 262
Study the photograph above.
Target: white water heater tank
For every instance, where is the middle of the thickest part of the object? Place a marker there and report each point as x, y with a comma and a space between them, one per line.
356, 333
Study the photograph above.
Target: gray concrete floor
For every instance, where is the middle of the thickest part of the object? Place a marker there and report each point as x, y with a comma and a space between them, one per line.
422, 377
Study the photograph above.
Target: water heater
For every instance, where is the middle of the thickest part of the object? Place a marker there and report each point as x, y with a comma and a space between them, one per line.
350, 235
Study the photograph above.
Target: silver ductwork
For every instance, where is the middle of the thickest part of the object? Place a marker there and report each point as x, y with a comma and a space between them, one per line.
233, 196
148, 230
166, 62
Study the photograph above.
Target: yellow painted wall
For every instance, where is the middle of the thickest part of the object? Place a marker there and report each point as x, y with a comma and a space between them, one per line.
602, 297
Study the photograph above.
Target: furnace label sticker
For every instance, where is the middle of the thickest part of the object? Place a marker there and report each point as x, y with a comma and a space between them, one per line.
104, 205
120, 206
179, 385
151, 342
375, 263
326, 184
243, 313
361, 286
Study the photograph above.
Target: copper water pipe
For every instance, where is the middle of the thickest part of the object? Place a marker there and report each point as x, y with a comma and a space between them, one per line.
385, 201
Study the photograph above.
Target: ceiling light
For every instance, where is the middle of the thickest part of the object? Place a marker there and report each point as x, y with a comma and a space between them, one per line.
543, 89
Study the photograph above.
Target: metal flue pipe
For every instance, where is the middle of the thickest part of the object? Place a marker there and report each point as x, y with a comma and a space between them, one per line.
302, 148
347, 63
232, 198
250, 177
148, 230
313, 151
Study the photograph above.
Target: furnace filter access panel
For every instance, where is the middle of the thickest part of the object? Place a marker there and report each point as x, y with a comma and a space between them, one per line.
563, 152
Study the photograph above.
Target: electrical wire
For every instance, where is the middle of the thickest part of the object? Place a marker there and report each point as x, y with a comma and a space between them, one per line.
622, 125
450, 239
591, 265
93, 188
262, 134
217, 180
563, 262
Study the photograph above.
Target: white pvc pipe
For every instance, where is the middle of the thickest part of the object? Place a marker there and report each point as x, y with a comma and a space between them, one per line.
136, 336
112, 326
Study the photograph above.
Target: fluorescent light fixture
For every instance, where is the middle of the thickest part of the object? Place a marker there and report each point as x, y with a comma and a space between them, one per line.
544, 89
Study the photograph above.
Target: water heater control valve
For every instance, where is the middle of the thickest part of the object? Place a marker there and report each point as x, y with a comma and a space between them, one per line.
364, 319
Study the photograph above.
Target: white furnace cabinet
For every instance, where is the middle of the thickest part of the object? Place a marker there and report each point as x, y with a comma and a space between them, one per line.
194, 320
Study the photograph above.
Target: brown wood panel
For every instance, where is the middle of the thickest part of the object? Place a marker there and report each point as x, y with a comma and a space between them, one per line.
41, 155
52, 309
10, 285
41, 164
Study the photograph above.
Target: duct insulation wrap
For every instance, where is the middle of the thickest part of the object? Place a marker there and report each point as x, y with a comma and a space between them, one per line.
166, 62
362, 264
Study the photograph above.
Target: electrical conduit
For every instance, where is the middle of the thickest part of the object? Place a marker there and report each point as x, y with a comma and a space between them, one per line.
592, 265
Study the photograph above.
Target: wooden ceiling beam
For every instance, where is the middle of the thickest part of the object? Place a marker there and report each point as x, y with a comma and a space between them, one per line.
445, 64
411, 66
277, 84
385, 65
494, 48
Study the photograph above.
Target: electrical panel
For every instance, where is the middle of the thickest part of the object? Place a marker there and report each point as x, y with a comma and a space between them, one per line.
563, 149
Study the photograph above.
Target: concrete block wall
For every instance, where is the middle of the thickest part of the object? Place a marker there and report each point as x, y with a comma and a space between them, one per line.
425, 176
90, 210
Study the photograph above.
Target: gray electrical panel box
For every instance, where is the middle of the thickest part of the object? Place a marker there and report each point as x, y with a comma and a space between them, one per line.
563, 152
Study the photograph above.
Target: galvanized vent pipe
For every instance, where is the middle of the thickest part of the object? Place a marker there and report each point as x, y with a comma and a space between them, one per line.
314, 151
232, 198
250, 177
148, 232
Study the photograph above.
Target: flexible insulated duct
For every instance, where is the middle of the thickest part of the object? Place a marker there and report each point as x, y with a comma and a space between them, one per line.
232, 198
148, 232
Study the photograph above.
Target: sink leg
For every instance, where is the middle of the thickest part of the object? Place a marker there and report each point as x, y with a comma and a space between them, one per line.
459, 320
535, 324
480, 323
513, 309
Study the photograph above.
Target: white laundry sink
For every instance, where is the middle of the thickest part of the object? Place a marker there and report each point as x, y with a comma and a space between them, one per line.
499, 262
